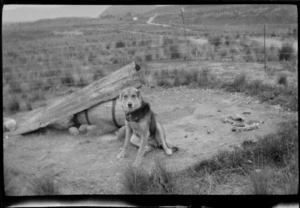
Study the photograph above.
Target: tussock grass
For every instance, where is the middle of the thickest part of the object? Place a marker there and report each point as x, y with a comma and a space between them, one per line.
9, 174
139, 181
44, 185
11, 104
282, 79
18, 183
238, 84
259, 160
286, 52
259, 181
287, 97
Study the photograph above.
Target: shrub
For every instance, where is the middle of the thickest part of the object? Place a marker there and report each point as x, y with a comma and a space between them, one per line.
9, 176
272, 53
286, 52
238, 85
158, 181
174, 52
215, 40
259, 182
44, 186
255, 87
148, 57
11, 104
120, 44
205, 78
282, 79
223, 52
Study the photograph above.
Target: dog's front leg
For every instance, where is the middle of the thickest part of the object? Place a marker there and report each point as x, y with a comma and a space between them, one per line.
141, 151
128, 134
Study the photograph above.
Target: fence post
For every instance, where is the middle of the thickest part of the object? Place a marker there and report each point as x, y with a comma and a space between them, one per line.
265, 56
182, 11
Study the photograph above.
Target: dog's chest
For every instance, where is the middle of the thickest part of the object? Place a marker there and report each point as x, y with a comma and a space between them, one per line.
136, 128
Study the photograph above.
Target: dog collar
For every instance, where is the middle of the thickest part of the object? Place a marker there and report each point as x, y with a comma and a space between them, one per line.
139, 113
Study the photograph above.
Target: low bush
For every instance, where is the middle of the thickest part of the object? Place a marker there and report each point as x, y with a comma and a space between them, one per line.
44, 186
139, 181
260, 182
238, 84
286, 52
282, 79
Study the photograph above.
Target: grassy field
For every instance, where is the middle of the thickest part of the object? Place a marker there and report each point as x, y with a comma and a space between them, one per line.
269, 166
41, 60
46, 59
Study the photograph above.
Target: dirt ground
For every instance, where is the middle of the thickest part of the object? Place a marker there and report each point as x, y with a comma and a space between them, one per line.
88, 164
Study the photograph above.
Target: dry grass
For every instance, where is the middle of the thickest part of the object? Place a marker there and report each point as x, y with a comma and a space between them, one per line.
268, 166
259, 181
158, 181
44, 185
274, 94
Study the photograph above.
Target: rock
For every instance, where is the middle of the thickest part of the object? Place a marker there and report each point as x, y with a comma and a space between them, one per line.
10, 124
257, 170
210, 130
185, 136
73, 131
90, 128
83, 127
219, 111
246, 112
237, 117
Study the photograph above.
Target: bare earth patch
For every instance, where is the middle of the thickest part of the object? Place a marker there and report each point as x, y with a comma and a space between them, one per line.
88, 165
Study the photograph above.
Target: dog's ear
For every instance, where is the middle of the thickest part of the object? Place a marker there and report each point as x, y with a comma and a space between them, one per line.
121, 95
139, 95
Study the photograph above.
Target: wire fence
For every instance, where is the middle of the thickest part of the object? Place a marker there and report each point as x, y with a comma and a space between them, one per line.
81, 62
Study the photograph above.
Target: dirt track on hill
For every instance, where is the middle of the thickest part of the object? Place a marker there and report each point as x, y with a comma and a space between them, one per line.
88, 164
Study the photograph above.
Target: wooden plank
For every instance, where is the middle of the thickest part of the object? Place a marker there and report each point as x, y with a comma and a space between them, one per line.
100, 91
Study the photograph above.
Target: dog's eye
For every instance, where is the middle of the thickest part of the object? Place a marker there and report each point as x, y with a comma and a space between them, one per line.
133, 96
125, 96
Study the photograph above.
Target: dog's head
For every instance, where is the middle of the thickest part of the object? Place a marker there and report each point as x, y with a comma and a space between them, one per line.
131, 99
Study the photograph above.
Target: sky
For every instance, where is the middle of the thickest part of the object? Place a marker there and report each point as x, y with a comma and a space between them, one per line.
25, 13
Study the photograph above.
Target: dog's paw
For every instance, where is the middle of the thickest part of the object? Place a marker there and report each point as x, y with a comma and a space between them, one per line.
169, 152
121, 155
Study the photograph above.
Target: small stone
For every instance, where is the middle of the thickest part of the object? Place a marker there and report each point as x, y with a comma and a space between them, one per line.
91, 127
10, 124
219, 111
210, 130
246, 112
185, 136
257, 170
83, 127
73, 131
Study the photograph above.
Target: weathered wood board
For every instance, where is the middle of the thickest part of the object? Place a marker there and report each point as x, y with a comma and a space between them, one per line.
100, 91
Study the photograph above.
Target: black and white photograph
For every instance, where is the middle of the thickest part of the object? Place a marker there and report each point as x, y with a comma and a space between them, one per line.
197, 99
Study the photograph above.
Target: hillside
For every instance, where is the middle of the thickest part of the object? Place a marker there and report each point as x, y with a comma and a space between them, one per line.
123, 10
228, 14
31, 13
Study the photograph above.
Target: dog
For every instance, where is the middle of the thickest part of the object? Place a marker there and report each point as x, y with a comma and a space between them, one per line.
142, 129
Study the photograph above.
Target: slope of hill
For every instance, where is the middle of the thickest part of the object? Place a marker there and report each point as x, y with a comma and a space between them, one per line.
36, 12
228, 14
123, 10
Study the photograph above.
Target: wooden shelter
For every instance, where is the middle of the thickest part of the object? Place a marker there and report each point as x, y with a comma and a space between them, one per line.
95, 94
